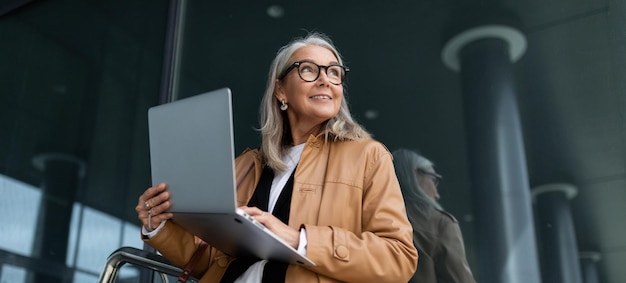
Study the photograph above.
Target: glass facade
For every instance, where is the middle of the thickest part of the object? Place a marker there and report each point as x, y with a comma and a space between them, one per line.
77, 79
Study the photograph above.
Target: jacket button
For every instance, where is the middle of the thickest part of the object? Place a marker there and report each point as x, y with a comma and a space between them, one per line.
341, 251
222, 262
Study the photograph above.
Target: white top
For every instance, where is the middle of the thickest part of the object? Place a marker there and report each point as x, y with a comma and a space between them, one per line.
290, 159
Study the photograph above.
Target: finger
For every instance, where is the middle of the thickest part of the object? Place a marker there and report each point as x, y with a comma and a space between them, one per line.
161, 217
159, 200
261, 215
156, 190
152, 197
161, 207
157, 219
152, 192
252, 211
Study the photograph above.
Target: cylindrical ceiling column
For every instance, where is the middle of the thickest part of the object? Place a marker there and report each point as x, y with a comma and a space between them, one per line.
558, 236
589, 266
484, 54
61, 176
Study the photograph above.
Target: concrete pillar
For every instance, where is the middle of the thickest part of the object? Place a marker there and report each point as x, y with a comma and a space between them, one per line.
556, 230
484, 54
589, 266
61, 175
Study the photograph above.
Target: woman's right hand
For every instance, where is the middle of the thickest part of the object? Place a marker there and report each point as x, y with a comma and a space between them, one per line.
152, 207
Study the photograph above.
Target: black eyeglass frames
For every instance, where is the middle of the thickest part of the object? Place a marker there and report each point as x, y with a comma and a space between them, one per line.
436, 177
310, 72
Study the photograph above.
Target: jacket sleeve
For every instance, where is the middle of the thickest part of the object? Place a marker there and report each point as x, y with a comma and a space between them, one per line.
383, 250
450, 261
177, 245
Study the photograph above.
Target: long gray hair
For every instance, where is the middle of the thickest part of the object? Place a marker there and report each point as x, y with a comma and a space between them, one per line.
418, 203
274, 125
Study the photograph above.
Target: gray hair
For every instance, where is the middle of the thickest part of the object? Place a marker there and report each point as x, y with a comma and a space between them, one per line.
417, 202
274, 126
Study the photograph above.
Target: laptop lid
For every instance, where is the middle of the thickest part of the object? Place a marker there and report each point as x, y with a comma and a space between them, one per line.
192, 148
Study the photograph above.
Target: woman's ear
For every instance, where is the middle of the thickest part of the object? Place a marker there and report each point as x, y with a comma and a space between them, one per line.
279, 92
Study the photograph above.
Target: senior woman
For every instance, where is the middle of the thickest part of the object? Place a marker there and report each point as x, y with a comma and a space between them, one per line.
328, 188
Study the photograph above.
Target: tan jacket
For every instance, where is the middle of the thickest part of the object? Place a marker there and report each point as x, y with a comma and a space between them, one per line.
346, 195
441, 251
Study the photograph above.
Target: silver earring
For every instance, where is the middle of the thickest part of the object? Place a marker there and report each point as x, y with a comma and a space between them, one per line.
283, 105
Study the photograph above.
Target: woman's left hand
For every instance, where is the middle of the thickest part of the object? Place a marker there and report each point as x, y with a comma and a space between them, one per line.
288, 234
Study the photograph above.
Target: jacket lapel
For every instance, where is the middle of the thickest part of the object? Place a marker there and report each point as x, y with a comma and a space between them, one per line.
309, 179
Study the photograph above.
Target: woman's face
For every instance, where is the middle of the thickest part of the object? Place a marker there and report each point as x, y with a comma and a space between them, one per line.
310, 103
428, 183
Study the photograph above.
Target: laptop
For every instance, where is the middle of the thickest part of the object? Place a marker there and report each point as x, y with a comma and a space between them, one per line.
192, 150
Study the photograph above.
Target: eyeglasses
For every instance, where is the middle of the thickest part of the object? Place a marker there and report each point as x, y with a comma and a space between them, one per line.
435, 177
309, 72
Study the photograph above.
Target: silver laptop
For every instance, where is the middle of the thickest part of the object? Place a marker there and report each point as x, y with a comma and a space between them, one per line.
192, 150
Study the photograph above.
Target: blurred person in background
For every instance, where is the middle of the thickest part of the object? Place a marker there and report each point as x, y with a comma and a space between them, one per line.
436, 233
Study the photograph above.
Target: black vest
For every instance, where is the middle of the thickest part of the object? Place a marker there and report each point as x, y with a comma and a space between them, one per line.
273, 271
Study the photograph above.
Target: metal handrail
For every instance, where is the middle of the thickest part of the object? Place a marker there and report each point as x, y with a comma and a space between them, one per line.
137, 257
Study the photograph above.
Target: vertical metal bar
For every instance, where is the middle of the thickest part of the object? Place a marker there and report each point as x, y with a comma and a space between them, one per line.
169, 79
172, 52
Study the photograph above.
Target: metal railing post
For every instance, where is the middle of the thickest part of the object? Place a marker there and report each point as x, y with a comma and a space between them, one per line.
139, 258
